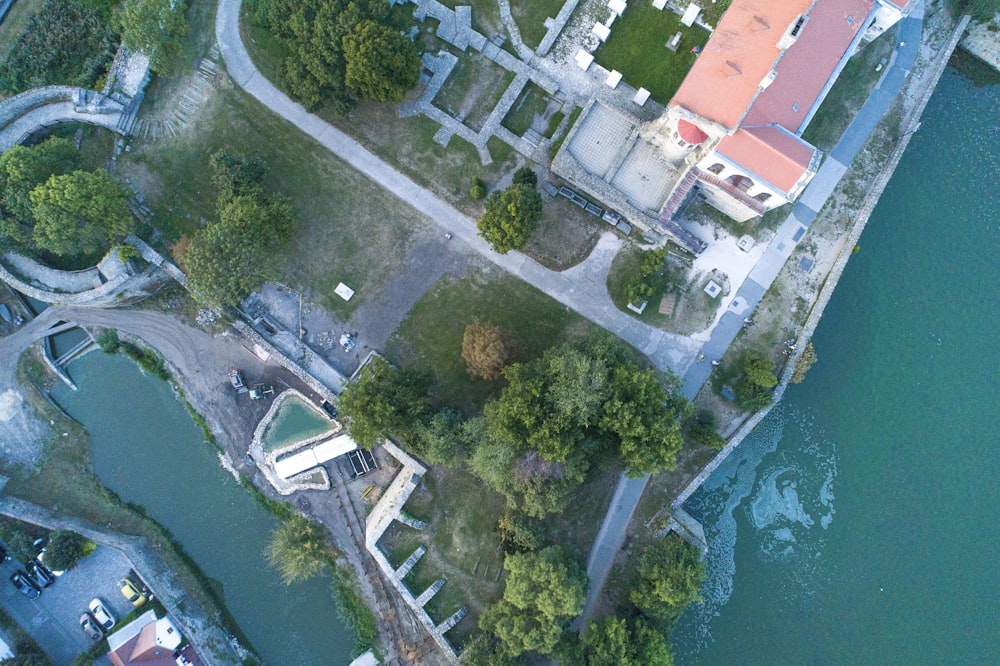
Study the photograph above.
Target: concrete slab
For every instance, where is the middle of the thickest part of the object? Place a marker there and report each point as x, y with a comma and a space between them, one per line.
598, 142
641, 97
602, 31
584, 59
614, 78
617, 6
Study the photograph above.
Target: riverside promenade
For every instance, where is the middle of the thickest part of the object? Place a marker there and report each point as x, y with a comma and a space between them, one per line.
626, 498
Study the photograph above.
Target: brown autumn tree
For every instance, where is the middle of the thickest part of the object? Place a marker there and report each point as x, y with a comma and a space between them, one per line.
484, 350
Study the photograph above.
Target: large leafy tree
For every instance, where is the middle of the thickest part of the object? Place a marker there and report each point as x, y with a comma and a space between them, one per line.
22, 169
610, 641
65, 547
643, 417
233, 255
755, 388
80, 213
381, 64
298, 549
154, 28
384, 400
544, 591
670, 576
511, 216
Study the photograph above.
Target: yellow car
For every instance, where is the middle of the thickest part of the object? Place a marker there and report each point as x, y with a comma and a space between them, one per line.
131, 592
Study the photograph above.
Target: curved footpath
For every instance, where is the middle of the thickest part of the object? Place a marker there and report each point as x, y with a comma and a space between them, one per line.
580, 289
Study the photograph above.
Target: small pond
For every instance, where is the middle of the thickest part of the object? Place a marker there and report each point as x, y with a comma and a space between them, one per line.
295, 421
147, 449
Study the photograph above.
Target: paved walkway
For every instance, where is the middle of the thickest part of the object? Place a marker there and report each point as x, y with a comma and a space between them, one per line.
582, 289
612, 534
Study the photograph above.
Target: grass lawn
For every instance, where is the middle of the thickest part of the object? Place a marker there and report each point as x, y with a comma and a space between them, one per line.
348, 227
533, 101
472, 89
14, 24
96, 146
530, 17
625, 266
430, 339
407, 143
849, 92
565, 235
485, 16
637, 49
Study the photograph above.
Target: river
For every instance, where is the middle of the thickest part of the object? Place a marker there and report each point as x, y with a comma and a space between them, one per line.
858, 523
148, 450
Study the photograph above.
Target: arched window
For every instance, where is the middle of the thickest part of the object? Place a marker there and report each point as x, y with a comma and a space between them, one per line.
740, 182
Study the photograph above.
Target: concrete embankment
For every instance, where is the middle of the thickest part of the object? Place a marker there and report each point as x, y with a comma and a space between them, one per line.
984, 44
922, 88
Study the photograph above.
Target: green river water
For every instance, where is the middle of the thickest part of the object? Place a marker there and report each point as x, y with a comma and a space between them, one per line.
858, 523
147, 449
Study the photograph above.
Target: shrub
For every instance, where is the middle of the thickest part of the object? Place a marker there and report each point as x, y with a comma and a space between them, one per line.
64, 549
484, 350
478, 189
525, 176
108, 340
298, 549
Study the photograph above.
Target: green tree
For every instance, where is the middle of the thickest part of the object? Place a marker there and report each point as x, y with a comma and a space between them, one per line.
22, 169
64, 549
233, 255
525, 176
381, 64
298, 549
384, 400
483, 650
670, 576
518, 532
154, 28
80, 213
484, 350
236, 174
644, 418
755, 388
441, 439
544, 591
610, 641
510, 218
478, 189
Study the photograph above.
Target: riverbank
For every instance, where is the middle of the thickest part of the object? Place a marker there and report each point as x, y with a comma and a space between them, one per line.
910, 105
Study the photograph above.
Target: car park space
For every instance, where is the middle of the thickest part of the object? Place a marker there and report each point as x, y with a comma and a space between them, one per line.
53, 619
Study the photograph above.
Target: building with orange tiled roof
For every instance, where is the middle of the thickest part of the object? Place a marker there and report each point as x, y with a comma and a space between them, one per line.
150, 641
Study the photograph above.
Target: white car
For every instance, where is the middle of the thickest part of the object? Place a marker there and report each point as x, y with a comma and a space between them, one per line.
102, 614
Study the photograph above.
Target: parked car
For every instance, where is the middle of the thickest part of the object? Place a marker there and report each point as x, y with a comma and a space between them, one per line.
330, 410
90, 627
131, 592
39, 573
101, 613
25, 585
236, 379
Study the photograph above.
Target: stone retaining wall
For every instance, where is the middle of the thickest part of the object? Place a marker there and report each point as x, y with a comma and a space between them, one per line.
103, 295
13, 108
208, 639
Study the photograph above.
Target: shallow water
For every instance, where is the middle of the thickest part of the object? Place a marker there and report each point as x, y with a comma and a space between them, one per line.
147, 449
857, 524
294, 422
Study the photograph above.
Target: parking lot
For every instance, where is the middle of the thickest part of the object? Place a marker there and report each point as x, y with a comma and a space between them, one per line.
52, 618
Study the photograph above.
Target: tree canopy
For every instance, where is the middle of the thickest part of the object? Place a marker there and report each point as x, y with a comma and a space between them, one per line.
333, 50
380, 64
22, 169
154, 28
511, 216
80, 213
544, 590
755, 388
65, 547
612, 641
298, 549
484, 350
670, 576
231, 256
383, 400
